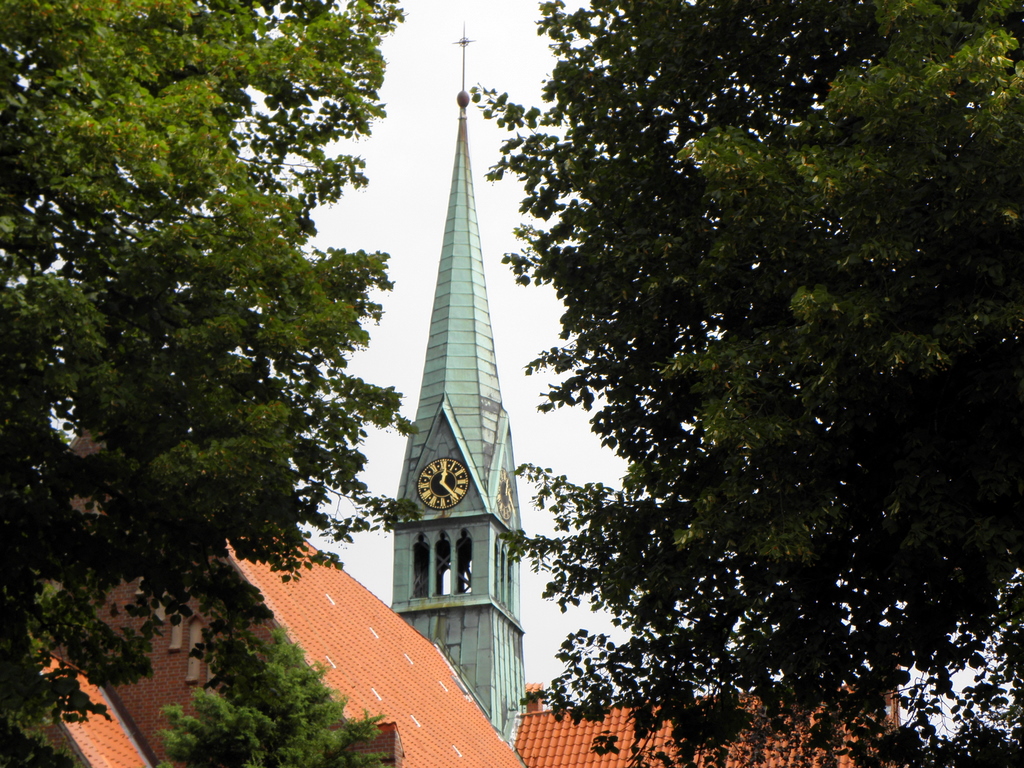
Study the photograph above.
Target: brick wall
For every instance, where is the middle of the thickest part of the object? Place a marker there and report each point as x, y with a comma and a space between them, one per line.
144, 701
388, 744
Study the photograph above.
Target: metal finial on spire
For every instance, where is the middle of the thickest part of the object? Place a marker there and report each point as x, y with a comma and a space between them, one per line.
465, 41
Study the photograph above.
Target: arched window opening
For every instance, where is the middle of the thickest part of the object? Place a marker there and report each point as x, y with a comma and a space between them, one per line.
495, 566
464, 556
195, 638
420, 567
510, 597
503, 587
443, 566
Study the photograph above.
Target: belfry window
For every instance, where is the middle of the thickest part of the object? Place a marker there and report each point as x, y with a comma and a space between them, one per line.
443, 566
510, 598
503, 575
464, 557
497, 570
420, 567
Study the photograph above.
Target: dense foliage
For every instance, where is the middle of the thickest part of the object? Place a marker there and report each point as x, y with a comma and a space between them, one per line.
159, 163
283, 716
788, 238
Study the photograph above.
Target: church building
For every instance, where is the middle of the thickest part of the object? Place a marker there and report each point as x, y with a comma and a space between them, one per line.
443, 665
453, 580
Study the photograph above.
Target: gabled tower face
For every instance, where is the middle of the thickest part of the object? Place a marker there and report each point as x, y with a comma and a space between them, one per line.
453, 579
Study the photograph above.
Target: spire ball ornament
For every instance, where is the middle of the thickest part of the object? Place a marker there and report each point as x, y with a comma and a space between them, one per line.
463, 99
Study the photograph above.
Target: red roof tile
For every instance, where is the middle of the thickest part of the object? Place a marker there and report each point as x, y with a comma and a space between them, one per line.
383, 666
545, 742
103, 743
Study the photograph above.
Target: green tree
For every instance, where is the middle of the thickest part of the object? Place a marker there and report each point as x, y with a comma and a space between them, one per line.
159, 164
283, 716
788, 239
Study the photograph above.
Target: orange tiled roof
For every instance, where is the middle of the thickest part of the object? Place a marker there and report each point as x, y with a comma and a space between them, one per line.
545, 742
103, 743
383, 666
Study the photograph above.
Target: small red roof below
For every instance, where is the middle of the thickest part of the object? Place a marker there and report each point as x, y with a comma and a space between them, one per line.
545, 742
383, 666
103, 743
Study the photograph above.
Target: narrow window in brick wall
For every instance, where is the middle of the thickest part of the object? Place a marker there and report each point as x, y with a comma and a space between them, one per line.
176, 633
195, 637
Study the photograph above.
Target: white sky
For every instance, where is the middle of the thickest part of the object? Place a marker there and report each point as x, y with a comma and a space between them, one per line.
408, 161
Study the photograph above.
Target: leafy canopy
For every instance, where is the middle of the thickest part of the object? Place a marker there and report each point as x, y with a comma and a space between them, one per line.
283, 716
788, 239
159, 164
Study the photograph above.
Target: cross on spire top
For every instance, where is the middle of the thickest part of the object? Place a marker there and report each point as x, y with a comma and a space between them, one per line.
464, 42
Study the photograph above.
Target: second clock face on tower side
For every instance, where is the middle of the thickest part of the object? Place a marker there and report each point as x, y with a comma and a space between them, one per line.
443, 483
505, 506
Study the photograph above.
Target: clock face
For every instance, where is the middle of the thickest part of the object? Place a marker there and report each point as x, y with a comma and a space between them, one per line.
505, 506
443, 483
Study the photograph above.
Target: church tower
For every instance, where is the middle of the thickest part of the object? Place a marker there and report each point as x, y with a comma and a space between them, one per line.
453, 579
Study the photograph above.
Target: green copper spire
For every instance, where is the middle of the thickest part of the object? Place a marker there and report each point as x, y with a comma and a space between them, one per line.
454, 580
460, 374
